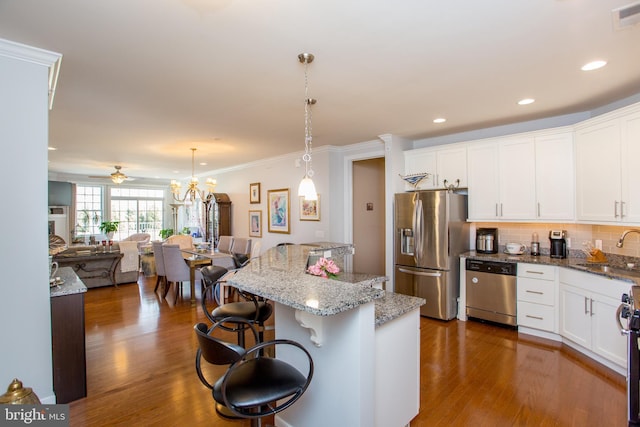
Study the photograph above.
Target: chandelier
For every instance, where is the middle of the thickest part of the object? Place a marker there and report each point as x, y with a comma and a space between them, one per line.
307, 188
193, 192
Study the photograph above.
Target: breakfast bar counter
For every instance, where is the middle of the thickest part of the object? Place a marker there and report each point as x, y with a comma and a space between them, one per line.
364, 341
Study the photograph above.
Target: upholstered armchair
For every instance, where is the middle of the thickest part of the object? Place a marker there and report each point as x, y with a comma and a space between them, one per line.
183, 240
141, 238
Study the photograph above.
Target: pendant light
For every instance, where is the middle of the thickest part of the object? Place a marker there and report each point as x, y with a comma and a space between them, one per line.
307, 188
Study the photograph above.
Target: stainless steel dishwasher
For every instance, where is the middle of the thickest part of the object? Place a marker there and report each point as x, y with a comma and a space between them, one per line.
491, 291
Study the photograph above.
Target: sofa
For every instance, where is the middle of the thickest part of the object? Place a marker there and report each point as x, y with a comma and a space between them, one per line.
95, 270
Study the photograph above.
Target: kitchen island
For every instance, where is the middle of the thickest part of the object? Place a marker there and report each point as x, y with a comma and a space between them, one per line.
67, 336
364, 341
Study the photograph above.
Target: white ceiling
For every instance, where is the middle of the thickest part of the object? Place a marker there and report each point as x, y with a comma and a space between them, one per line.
143, 81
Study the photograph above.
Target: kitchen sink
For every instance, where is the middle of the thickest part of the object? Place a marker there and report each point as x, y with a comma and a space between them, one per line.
604, 268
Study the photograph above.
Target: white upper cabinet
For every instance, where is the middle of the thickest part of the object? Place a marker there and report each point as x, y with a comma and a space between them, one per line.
484, 182
452, 167
517, 178
607, 153
502, 179
442, 164
523, 177
630, 151
555, 182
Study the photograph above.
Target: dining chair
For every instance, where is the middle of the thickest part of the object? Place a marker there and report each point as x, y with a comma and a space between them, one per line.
158, 257
255, 249
241, 245
225, 243
176, 269
255, 385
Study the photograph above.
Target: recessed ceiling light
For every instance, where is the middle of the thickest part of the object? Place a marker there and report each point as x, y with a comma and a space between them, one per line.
593, 65
203, 163
526, 101
439, 120
52, 148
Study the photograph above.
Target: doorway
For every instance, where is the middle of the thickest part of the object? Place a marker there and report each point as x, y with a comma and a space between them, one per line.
369, 216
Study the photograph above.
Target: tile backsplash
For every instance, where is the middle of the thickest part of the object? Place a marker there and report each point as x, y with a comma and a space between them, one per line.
577, 233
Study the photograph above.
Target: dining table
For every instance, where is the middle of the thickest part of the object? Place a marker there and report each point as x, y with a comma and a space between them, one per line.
198, 258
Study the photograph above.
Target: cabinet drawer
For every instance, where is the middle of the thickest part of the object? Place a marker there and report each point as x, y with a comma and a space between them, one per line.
536, 316
536, 291
536, 271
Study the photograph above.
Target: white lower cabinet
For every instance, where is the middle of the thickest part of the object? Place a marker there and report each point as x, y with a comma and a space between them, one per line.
588, 304
537, 297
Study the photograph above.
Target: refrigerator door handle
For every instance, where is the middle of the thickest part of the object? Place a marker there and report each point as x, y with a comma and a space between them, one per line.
419, 273
417, 230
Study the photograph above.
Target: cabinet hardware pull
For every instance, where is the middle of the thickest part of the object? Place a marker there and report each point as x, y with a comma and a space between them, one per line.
535, 292
591, 307
534, 272
535, 317
501, 212
615, 209
586, 309
621, 209
538, 208
496, 209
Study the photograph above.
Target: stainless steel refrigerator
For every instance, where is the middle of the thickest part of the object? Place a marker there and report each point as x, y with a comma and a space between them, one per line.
431, 231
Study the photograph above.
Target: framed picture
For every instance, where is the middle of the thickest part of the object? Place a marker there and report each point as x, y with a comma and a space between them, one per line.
278, 210
254, 192
309, 209
255, 223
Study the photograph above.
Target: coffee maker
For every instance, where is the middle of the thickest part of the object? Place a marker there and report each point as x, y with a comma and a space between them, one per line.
487, 240
558, 243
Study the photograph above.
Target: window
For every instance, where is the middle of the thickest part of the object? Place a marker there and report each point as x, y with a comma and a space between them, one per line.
88, 210
139, 210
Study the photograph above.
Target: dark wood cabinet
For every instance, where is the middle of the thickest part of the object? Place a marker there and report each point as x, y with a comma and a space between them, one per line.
218, 214
68, 344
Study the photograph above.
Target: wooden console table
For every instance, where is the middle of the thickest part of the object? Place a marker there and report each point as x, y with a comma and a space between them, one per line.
94, 267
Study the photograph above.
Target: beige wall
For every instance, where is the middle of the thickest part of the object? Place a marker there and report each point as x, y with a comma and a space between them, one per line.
579, 233
368, 225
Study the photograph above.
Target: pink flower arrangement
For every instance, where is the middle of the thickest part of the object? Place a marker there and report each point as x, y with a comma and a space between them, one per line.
324, 268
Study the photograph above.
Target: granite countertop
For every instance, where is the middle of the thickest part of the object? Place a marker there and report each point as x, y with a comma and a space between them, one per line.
616, 267
392, 306
71, 283
278, 275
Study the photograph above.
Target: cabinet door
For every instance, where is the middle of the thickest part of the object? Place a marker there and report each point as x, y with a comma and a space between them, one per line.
418, 161
452, 167
575, 320
630, 170
598, 190
517, 178
555, 178
482, 169
607, 339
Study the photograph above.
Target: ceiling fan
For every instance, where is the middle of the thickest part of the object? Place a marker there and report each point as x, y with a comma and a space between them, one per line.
117, 177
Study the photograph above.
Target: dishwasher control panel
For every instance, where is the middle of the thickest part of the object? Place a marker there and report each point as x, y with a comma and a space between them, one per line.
494, 267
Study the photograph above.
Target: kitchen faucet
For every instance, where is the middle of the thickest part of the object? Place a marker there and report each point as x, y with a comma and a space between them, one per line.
621, 241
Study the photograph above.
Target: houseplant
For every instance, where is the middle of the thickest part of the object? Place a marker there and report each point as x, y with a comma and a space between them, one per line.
166, 232
109, 227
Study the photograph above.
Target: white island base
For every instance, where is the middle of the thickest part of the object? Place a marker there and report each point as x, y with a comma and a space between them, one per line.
364, 375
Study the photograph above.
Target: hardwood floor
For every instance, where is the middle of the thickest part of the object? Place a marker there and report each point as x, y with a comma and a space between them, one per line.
140, 371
